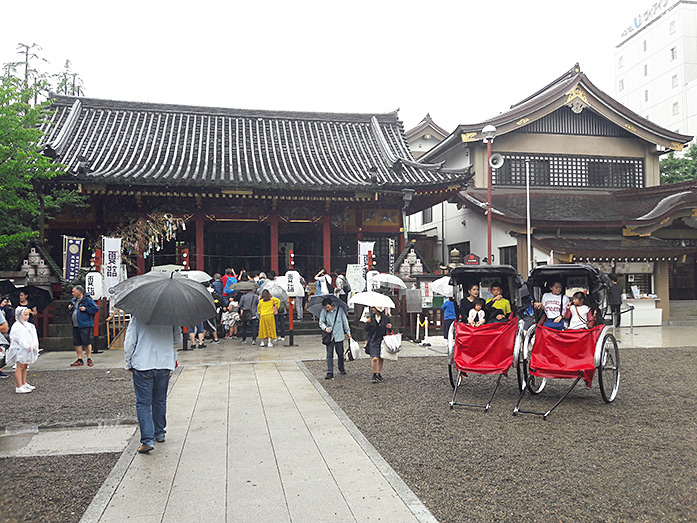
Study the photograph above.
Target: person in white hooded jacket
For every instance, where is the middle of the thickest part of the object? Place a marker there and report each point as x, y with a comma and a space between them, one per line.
24, 348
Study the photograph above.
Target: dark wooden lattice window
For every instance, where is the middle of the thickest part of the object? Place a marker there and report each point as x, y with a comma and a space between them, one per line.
571, 171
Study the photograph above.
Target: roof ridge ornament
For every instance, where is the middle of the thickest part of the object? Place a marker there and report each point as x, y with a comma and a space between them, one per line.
577, 99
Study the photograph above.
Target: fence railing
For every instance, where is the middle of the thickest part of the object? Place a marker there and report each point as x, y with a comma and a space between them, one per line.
115, 324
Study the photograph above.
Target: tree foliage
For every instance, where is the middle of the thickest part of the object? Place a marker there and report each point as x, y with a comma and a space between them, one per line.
675, 169
26, 195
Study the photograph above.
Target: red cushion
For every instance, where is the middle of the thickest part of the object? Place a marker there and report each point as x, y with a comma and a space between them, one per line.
485, 350
565, 354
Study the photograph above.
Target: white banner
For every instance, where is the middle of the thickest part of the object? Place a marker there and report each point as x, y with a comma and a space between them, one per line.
294, 288
111, 264
93, 285
363, 248
426, 295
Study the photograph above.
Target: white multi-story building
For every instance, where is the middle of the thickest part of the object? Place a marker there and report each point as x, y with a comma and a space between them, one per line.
656, 65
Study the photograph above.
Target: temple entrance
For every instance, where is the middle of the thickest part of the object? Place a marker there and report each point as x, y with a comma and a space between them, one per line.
240, 245
306, 241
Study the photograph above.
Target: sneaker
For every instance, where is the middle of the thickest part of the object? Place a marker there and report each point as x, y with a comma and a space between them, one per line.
89, 362
375, 379
254, 342
144, 449
160, 439
202, 346
380, 378
216, 341
78, 363
262, 344
329, 376
27, 386
282, 338
22, 390
244, 342
270, 344
3, 375
342, 372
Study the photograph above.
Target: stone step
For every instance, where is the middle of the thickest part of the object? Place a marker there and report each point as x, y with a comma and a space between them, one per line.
680, 323
56, 344
60, 330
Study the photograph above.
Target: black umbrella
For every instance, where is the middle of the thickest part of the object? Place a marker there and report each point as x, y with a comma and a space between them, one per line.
315, 306
36, 296
165, 299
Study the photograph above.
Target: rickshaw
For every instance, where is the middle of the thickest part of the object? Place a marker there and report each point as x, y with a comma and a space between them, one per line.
492, 348
570, 354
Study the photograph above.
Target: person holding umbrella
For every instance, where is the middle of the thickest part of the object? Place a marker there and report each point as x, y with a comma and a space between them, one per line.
377, 326
159, 303
333, 321
83, 310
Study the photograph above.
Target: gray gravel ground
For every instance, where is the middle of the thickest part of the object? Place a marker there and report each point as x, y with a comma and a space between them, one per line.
632, 460
60, 488
76, 397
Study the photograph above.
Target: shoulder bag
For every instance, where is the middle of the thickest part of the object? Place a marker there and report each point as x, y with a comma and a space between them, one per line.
327, 336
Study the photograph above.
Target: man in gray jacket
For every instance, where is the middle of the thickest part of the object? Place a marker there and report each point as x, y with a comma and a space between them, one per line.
333, 320
151, 357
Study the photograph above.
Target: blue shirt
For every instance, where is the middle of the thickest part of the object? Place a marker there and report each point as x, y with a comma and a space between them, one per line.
149, 347
341, 326
449, 308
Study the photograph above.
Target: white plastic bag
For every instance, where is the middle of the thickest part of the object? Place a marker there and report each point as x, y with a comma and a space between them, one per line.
353, 350
393, 342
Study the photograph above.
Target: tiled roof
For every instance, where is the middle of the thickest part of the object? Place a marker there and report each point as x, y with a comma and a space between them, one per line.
426, 123
599, 208
616, 246
570, 88
131, 143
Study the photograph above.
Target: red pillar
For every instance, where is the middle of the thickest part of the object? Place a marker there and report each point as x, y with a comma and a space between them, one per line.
140, 262
274, 242
327, 243
199, 242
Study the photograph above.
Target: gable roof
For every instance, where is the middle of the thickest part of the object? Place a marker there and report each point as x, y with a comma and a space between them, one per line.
131, 143
423, 125
573, 89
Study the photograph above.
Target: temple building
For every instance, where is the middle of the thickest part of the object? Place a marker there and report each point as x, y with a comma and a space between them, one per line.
592, 167
249, 185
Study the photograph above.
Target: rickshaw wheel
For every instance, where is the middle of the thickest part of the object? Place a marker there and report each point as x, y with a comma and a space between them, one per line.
609, 369
535, 383
452, 374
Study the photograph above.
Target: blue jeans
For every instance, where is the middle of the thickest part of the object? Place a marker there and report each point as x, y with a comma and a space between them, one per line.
151, 403
280, 325
337, 346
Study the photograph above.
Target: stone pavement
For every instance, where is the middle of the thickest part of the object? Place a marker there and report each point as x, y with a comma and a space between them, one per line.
252, 435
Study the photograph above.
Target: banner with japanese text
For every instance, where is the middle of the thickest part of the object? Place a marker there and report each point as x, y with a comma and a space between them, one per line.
72, 256
363, 249
111, 264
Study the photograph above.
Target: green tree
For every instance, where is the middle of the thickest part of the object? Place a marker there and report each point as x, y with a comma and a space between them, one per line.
676, 169
27, 197
69, 82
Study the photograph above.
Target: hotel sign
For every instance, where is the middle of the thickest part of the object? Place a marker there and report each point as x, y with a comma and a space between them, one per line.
648, 15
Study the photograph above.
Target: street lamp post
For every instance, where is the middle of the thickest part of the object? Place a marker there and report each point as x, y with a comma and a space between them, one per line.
489, 132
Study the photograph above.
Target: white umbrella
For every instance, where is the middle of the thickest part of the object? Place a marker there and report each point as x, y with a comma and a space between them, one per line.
390, 280
371, 299
171, 267
197, 276
442, 286
275, 288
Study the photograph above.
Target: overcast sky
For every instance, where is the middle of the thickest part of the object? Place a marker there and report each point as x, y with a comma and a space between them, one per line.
461, 61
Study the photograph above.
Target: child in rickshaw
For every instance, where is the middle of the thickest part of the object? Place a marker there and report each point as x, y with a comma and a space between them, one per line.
477, 316
580, 316
497, 308
554, 305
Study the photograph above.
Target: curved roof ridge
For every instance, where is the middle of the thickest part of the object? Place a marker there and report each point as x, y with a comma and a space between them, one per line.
666, 204
427, 121
104, 103
574, 71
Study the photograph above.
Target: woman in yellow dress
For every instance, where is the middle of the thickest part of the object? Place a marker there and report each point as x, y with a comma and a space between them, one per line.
267, 309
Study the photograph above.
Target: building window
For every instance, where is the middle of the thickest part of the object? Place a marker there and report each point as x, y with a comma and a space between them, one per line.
508, 256
674, 81
646, 70
620, 62
427, 215
673, 53
646, 95
621, 86
676, 108
463, 247
671, 27
551, 170
645, 46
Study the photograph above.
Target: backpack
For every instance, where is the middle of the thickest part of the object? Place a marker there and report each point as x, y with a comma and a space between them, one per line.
345, 285
228, 290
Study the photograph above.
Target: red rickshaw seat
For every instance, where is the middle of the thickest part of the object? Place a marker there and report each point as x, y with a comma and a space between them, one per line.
487, 349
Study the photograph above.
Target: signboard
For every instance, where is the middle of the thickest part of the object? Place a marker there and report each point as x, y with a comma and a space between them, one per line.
370, 285
111, 264
649, 14
72, 256
363, 249
426, 295
393, 247
294, 288
472, 259
93, 285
